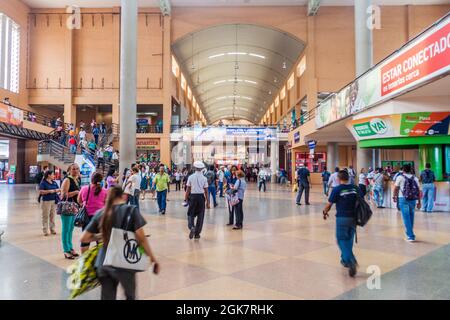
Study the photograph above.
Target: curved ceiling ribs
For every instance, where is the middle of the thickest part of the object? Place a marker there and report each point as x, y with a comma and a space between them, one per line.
259, 58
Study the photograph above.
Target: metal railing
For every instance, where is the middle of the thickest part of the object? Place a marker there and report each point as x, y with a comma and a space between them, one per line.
56, 150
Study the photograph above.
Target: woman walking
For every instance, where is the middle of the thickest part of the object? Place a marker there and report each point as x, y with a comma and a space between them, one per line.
111, 178
363, 182
112, 216
48, 190
70, 189
93, 197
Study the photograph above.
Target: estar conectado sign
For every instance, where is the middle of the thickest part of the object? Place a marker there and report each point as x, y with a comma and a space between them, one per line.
424, 58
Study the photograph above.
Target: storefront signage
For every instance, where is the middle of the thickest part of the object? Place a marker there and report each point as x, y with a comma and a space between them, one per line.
312, 144
423, 59
147, 144
401, 125
296, 137
11, 115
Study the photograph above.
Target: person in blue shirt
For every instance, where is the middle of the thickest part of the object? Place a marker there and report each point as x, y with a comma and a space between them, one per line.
231, 181
325, 178
48, 190
344, 196
95, 133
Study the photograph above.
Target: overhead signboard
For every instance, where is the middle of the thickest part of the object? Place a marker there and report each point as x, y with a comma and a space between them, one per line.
423, 59
416, 124
147, 144
11, 115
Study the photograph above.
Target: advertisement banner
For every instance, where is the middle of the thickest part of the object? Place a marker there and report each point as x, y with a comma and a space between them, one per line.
401, 125
423, 59
11, 115
147, 144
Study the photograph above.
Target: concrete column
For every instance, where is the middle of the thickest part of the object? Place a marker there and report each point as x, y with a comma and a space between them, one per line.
70, 113
363, 159
363, 38
274, 158
128, 61
332, 156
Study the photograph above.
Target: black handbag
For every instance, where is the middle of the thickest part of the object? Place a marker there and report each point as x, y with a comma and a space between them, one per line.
82, 217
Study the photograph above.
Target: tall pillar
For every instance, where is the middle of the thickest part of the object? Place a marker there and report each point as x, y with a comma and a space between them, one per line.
128, 61
274, 158
332, 156
431, 154
363, 38
363, 158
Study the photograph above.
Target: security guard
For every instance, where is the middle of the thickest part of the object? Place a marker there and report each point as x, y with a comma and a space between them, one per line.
196, 194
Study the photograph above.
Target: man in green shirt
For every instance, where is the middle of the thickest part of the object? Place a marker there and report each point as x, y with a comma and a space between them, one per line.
161, 182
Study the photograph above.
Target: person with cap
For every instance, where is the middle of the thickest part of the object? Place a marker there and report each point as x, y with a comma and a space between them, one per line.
196, 195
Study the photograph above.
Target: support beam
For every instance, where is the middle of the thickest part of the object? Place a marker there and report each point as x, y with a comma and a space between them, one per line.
313, 7
128, 79
363, 38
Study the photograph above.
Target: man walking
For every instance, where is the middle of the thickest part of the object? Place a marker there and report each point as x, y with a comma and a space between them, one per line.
407, 193
333, 182
428, 178
196, 195
344, 196
212, 185
221, 176
177, 176
325, 177
378, 188
304, 184
161, 184
262, 179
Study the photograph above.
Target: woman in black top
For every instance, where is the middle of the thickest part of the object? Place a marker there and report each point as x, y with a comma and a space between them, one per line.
70, 189
112, 216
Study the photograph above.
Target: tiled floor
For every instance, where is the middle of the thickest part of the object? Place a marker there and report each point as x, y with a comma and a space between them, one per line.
284, 252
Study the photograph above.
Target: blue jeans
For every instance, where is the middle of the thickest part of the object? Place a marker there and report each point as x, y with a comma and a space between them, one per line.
161, 197
428, 190
407, 208
378, 195
325, 187
221, 189
212, 191
345, 233
73, 149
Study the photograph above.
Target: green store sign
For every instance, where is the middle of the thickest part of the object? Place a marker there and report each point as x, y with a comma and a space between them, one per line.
373, 127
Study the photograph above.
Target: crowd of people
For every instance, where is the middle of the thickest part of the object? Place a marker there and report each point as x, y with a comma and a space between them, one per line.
343, 188
203, 185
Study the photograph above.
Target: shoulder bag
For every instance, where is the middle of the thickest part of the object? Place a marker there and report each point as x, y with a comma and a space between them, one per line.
82, 217
123, 251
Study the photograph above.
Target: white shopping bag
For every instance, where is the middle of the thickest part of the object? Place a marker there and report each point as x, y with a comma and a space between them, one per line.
124, 252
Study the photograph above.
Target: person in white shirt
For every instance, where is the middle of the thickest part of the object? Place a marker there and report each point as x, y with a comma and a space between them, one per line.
333, 182
221, 176
178, 175
82, 134
196, 195
132, 187
100, 159
262, 175
407, 194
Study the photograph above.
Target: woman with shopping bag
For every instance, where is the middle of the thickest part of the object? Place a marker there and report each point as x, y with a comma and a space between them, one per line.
125, 248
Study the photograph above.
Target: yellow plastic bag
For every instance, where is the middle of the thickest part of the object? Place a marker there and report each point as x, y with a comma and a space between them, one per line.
295, 188
83, 274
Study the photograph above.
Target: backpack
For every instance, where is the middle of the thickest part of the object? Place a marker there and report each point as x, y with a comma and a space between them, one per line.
362, 211
411, 189
211, 176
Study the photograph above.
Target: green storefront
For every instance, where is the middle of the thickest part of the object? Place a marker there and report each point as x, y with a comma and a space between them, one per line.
425, 134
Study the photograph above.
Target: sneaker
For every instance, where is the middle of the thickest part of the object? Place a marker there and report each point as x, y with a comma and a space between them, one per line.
45, 234
216, 205
53, 232
298, 203
352, 270
191, 234
410, 240
197, 236
163, 212
230, 224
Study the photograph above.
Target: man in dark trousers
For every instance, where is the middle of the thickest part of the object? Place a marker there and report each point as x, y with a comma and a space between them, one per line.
304, 184
196, 195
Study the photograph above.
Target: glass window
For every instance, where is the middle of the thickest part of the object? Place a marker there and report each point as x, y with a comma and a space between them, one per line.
291, 82
175, 67
9, 54
283, 93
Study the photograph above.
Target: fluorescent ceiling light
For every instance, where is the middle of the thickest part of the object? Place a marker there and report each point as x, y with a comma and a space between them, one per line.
221, 81
247, 98
250, 81
237, 53
233, 80
257, 55
216, 55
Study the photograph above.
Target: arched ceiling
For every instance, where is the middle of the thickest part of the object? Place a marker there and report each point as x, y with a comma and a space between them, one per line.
235, 70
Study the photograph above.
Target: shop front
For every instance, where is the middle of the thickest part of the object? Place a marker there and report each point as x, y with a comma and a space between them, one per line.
415, 138
148, 150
